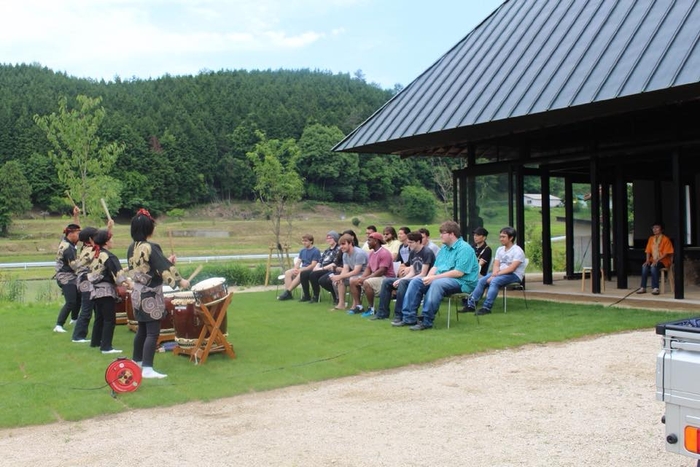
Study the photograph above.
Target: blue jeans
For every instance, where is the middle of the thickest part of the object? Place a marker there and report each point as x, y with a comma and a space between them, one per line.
493, 288
430, 294
646, 269
385, 297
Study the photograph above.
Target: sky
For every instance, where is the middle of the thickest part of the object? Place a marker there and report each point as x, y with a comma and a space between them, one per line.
390, 41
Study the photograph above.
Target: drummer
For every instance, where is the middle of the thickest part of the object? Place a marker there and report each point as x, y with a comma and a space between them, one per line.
149, 269
105, 274
84, 285
66, 278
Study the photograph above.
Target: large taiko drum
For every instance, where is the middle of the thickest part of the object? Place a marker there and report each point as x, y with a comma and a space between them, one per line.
210, 290
123, 306
167, 329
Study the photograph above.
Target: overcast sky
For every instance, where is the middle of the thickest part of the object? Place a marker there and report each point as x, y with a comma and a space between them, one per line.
391, 41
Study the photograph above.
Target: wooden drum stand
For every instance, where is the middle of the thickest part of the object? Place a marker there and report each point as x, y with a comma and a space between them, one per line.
211, 338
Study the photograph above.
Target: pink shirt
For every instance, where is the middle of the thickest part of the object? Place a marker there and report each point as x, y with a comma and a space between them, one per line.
382, 258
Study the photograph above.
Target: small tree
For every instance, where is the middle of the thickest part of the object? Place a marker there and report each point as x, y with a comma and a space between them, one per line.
15, 194
278, 185
418, 204
82, 161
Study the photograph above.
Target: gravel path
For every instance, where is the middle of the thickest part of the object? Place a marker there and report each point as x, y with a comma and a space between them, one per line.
584, 403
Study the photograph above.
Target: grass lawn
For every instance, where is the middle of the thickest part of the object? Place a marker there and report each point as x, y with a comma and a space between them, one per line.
46, 378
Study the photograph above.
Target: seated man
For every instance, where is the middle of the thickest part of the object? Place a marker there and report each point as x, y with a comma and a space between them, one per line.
307, 259
420, 261
508, 267
379, 265
659, 253
369, 230
404, 249
483, 255
427, 242
325, 266
456, 270
392, 243
354, 263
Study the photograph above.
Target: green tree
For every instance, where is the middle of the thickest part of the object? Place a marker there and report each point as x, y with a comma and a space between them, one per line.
82, 160
15, 194
278, 185
418, 204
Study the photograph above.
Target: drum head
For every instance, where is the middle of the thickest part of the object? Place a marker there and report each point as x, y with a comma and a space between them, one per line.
168, 289
123, 375
208, 284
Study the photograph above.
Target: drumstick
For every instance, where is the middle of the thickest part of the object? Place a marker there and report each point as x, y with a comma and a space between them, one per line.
70, 198
170, 236
104, 206
196, 271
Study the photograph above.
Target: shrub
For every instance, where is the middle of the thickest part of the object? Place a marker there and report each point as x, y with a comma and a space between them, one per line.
355, 221
176, 213
418, 204
12, 289
234, 273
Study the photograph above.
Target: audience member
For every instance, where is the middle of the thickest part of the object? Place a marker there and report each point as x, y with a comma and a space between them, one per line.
308, 257
456, 270
482, 250
325, 266
659, 251
354, 263
427, 242
369, 230
379, 265
392, 243
508, 267
420, 261
337, 267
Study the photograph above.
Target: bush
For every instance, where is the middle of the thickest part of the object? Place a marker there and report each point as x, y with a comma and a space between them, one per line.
234, 273
176, 213
418, 204
12, 289
355, 221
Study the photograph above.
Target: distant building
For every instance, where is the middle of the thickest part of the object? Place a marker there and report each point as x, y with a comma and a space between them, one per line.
535, 200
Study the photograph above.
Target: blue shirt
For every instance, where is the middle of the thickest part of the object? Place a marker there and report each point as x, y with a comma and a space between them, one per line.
460, 256
309, 255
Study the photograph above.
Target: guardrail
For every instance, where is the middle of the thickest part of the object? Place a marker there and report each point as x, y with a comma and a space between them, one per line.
182, 260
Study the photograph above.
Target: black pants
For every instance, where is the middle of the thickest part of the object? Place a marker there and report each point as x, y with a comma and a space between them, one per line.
312, 277
72, 305
83, 323
103, 327
145, 342
327, 283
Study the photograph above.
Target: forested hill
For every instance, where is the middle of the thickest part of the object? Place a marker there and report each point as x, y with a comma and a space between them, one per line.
186, 137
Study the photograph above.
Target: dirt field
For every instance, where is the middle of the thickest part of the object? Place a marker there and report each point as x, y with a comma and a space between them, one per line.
583, 403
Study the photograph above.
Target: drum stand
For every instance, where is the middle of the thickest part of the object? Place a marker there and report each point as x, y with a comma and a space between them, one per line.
211, 332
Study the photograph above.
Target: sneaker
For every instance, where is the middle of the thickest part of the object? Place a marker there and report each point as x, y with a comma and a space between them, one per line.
396, 321
482, 311
467, 309
72, 321
355, 311
400, 324
305, 298
111, 351
368, 313
149, 372
315, 299
287, 295
420, 327
59, 328
641, 290
655, 291
80, 341
377, 317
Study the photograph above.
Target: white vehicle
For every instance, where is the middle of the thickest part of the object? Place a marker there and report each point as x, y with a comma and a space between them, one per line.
678, 385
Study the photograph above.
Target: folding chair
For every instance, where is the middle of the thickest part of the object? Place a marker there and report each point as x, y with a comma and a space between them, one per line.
518, 285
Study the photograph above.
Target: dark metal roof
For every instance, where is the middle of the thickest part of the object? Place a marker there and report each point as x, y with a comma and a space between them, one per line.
538, 63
